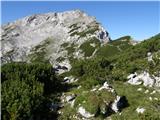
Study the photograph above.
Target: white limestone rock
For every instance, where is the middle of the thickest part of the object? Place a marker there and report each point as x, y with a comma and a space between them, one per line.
114, 105
140, 110
72, 103
145, 78
70, 79
150, 98
85, 113
147, 91
119, 103
139, 89
62, 67
153, 92
79, 87
94, 89
93, 44
149, 56
155, 98
70, 97
107, 87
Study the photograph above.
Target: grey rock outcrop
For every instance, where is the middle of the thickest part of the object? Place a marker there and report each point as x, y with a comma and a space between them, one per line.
144, 78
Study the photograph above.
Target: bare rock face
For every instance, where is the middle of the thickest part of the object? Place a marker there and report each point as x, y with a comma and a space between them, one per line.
21, 37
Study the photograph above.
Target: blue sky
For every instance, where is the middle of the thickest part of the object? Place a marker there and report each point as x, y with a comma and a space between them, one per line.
141, 20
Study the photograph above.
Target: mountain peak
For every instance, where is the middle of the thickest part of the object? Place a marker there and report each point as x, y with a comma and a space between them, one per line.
73, 27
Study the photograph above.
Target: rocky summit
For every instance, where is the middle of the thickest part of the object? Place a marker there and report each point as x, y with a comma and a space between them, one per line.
22, 38
64, 66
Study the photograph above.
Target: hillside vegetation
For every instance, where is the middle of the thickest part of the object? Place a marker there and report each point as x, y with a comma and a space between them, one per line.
29, 88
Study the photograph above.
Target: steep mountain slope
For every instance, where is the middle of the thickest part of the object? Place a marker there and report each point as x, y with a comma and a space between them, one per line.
43, 36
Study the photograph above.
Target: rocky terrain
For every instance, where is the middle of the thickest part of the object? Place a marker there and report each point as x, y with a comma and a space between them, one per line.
52, 31
98, 78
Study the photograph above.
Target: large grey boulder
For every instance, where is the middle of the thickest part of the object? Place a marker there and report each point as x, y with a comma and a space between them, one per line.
144, 78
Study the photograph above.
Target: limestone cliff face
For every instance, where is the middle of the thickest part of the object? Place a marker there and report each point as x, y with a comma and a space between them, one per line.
51, 30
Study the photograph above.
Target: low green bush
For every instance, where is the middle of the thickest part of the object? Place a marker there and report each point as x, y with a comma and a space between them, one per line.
25, 87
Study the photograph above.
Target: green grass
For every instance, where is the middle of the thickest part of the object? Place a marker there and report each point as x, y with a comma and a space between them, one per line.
136, 99
115, 47
120, 65
68, 113
123, 42
89, 82
93, 101
107, 51
87, 100
87, 48
127, 38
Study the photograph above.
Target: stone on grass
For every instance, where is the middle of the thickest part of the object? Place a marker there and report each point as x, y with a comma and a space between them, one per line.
84, 113
140, 110
145, 78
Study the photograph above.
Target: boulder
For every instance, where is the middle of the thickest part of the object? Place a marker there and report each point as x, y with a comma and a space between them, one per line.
119, 103
145, 78
84, 113
70, 98
133, 79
